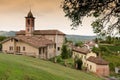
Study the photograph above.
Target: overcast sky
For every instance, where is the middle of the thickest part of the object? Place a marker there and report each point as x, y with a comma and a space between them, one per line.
48, 15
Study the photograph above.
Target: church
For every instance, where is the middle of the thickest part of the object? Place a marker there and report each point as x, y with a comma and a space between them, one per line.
42, 44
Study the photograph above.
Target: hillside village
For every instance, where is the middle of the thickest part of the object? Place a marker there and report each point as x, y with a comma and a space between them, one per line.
51, 51
46, 44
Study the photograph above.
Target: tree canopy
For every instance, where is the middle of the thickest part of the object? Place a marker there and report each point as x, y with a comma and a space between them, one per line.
106, 13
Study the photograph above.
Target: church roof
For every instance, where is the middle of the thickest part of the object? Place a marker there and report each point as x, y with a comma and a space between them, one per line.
97, 60
30, 15
33, 41
42, 32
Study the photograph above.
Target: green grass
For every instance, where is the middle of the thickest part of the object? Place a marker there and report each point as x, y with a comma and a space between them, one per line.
113, 57
114, 61
112, 48
16, 67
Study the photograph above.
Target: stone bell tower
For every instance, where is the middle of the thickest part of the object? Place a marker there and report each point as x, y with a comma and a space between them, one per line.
30, 22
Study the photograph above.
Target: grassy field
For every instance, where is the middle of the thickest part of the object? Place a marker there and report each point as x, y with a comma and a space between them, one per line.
113, 57
114, 61
16, 67
112, 48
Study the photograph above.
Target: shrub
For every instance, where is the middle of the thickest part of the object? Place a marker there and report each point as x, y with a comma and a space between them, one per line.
59, 59
65, 52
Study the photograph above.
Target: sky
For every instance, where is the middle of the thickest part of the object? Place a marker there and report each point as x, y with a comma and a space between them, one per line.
48, 15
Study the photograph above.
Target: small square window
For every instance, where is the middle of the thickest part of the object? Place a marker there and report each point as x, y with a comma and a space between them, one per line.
58, 48
10, 48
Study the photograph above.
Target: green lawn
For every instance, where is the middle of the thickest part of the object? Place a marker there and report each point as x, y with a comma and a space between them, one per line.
16, 67
112, 48
114, 61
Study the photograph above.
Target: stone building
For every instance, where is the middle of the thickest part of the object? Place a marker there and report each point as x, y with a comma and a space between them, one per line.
82, 53
98, 66
91, 62
39, 43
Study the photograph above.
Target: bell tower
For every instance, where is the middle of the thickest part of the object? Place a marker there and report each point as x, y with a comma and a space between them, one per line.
30, 22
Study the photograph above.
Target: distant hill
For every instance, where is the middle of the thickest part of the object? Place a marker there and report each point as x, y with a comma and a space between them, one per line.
7, 33
76, 38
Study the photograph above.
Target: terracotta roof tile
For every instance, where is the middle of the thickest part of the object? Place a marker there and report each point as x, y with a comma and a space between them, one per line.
90, 43
42, 32
35, 41
81, 50
97, 60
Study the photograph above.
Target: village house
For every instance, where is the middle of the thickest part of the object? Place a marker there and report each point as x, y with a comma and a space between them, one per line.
90, 44
90, 61
82, 53
98, 66
43, 44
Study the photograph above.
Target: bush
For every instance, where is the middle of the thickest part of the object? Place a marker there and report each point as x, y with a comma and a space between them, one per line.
65, 52
59, 59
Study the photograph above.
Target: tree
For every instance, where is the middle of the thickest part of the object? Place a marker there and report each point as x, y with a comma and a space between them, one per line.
65, 41
79, 43
65, 52
109, 39
103, 10
96, 50
1, 39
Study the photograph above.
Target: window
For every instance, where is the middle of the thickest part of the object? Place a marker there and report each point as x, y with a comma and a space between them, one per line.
90, 67
58, 48
40, 51
18, 48
118, 71
23, 48
10, 48
43, 50
87, 65
81, 56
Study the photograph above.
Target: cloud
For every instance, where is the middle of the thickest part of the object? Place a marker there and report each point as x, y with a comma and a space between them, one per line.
44, 6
